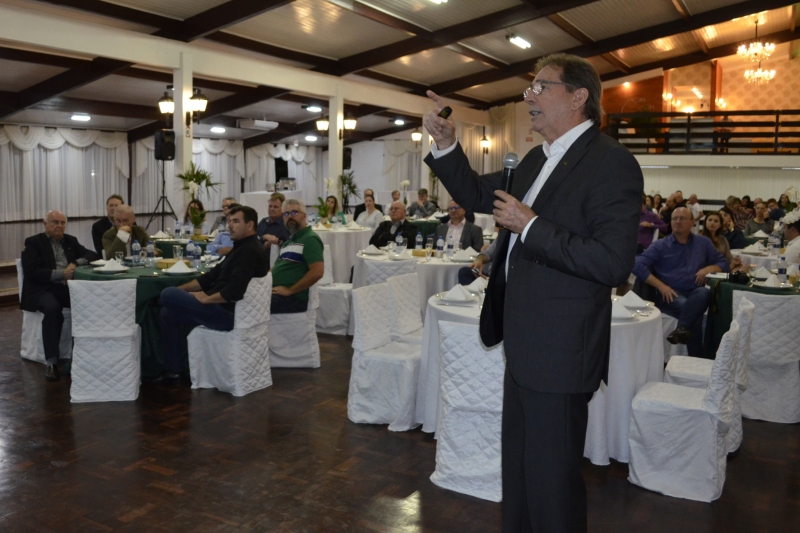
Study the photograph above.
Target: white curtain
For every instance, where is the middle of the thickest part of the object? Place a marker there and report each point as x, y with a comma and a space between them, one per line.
503, 134
402, 160
223, 159
302, 163
42, 169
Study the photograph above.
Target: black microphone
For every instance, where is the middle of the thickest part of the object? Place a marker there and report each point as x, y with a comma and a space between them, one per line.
510, 162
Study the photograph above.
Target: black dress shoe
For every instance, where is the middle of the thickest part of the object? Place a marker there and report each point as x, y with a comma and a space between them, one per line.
51, 374
679, 335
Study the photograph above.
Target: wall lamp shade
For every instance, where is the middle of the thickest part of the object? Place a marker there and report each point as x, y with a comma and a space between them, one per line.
166, 105
323, 124
198, 102
416, 136
485, 144
350, 122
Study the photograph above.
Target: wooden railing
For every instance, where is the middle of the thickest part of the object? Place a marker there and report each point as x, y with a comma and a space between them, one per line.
710, 132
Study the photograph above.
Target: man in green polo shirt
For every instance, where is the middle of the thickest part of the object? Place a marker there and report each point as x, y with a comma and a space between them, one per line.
300, 264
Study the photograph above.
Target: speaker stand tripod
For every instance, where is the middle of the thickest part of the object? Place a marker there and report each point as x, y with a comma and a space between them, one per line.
163, 202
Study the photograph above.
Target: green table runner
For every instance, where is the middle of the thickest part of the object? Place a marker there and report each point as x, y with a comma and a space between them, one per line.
166, 247
753, 240
148, 290
427, 227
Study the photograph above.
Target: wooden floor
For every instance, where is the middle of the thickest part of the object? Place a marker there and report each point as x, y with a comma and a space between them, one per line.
287, 460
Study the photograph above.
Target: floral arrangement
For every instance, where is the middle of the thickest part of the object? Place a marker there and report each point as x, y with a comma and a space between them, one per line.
791, 192
348, 187
195, 179
404, 185
322, 208
197, 217
791, 217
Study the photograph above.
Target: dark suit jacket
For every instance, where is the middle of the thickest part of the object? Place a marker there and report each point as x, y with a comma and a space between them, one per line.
111, 244
99, 229
38, 263
383, 233
555, 316
471, 236
360, 208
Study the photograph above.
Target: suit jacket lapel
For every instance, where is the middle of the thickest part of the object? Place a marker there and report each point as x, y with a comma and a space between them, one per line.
48, 251
565, 166
522, 186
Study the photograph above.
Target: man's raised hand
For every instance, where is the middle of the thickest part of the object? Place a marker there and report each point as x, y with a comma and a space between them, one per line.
443, 130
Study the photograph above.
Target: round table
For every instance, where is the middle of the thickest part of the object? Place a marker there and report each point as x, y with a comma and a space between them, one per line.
766, 261
636, 357
165, 245
148, 290
344, 243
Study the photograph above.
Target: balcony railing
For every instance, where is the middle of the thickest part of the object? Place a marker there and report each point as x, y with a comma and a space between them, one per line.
755, 132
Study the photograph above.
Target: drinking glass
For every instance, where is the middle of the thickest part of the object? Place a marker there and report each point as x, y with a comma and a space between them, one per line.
143, 258
403, 247
751, 269
177, 252
120, 256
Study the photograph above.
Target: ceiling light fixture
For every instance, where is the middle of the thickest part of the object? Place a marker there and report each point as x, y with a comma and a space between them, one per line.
311, 138
439, 1
759, 77
81, 118
756, 51
519, 41
398, 121
217, 129
416, 135
313, 108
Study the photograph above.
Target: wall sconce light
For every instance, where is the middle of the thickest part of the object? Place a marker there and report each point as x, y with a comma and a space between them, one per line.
485, 143
323, 124
416, 135
197, 106
350, 123
167, 106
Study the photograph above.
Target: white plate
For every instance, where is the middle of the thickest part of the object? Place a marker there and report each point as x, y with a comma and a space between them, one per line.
117, 271
168, 273
623, 319
99, 262
356, 229
717, 275
364, 252
442, 297
784, 286
454, 260
399, 258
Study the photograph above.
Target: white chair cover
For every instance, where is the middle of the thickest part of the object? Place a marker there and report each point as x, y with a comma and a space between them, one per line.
773, 378
333, 315
31, 345
105, 364
379, 271
327, 277
383, 378
669, 323
406, 323
468, 454
293, 339
678, 434
235, 361
695, 372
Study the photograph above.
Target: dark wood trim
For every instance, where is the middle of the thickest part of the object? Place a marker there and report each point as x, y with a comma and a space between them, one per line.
39, 58
477, 56
166, 77
220, 17
569, 28
241, 99
400, 82
617, 62
144, 131
701, 41
680, 7
268, 49
97, 107
119, 12
388, 20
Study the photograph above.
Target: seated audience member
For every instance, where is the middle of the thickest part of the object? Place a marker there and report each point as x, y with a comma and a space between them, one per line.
120, 238
300, 263
210, 300
761, 222
387, 231
657, 203
740, 215
791, 232
679, 201
395, 195
697, 212
666, 212
197, 205
48, 262
649, 202
100, 227
775, 211
222, 243
483, 260
333, 206
734, 236
360, 208
272, 230
648, 223
223, 218
423, 207
677, 266
371, 216
785, 204
464, 232
712, 230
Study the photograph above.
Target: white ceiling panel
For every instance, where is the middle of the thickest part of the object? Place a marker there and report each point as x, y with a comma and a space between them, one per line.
213, 45
76, 14
743, 29
544, 36
178, 9
131, 91
370, 81
16, 76
701, 6
608, 18
659, 49
601, 65
430, 16
200, 131
57, 118
277, 110
319, 28
431, 66
498, 90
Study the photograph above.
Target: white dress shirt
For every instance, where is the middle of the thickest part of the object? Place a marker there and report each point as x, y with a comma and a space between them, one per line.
455, 231
554, 152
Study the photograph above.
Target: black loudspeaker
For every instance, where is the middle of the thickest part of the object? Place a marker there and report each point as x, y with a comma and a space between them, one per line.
281, 169
347, 158
165, 145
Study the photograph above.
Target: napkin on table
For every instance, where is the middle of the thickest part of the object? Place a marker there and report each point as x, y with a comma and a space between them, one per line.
179, 268
478, 285
464, 255
772, 281
760, 233
753, 248
353, 224
321, 227
792, 270
112, 265
631, 299
762, 273
619, 311
372, 249
160, 235
406, 254
459, 292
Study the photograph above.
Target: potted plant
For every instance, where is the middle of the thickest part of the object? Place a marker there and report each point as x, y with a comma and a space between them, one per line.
348, 186
195, 180
198, 218
322, 210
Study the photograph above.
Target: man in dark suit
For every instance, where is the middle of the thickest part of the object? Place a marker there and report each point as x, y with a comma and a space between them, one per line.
360, 208
100, 227
48, 262
463, 231
572, 219
387, 231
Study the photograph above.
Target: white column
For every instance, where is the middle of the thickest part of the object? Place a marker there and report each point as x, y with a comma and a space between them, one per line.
425, 171
182, 81
335, 140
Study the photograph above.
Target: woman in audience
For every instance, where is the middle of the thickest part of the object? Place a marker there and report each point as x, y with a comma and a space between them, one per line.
785, 204
197, 205
333, 205
734, 236
712, 228
371, 216
740, 215
747, 205
657, 203
648, 200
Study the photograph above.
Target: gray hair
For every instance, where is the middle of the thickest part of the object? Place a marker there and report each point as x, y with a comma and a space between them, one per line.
578, 73
123, 209
293, 201
47, 215
231, 198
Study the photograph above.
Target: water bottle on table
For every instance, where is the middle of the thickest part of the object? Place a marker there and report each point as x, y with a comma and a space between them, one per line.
198, 253
440, 247
400, 242
775, 241
190, 253
782, 269
151, 254
135, 249
419, 241
177, 229
450, 247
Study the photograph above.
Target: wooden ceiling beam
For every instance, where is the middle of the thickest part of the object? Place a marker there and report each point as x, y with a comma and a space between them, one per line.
219, 17
39, 58
477, 56
96, 107
683, 11
616, 61
388, 20
119, 12
701, 41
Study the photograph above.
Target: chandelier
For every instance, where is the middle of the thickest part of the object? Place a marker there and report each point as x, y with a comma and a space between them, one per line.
759, 76
756, 51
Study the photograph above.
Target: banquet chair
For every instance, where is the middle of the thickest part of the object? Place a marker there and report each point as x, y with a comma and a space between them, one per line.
379, 271
105, 363
668, 324
333, 315
677, 434
235, 361
406, 321
31, 345
773, 377
383, 377
293, 339
468, 453
695, 371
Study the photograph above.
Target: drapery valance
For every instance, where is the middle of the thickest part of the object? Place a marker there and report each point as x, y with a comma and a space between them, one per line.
298, 154
212, 146
398, 147
27, 138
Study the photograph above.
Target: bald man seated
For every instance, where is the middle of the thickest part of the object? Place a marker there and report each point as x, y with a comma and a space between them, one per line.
387, 231
48, 262
120, 238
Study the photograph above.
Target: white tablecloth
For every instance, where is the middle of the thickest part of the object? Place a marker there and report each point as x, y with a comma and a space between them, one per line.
637, 356
344, 244
485, 222
766, 261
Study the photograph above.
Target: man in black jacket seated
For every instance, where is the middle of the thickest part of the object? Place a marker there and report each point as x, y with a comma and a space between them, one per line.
210, 300
48, 262
360, 208
106, 223
387, 231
